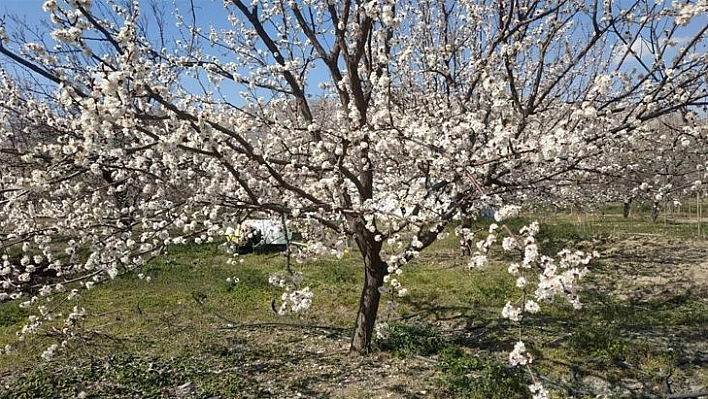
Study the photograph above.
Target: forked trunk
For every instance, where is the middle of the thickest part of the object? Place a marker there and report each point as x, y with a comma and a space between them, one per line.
374, 272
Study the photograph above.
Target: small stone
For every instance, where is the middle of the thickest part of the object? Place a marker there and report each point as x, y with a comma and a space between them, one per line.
184, 390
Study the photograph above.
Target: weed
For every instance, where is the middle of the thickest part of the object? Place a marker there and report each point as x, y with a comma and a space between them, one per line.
469, 376
11, 314
157, 336
407, 340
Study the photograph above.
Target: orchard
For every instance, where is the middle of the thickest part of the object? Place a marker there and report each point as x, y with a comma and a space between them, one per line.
372, 127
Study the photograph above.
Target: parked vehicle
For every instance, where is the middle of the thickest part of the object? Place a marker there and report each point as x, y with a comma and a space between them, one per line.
266, 235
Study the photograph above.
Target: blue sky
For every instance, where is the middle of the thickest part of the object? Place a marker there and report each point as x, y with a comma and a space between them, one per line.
209, 10
212, 12
30, 9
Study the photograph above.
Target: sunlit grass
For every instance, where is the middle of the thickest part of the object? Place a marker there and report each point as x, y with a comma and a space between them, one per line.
186, 310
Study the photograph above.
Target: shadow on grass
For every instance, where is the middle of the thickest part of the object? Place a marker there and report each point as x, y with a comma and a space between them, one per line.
627, 348
250, 361
623, 348
480, 328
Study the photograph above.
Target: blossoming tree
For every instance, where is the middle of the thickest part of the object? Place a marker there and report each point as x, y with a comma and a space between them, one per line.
663, 163
377, 121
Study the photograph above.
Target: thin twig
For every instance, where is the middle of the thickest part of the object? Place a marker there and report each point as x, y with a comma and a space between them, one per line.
285, 325
235, 325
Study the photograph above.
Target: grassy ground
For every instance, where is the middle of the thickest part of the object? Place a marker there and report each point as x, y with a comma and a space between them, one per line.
190, 333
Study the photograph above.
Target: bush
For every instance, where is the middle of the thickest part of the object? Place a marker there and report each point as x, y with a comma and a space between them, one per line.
407, 340
474, 377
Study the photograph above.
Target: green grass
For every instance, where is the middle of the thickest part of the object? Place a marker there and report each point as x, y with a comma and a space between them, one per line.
406, 340
469, 376
609, 220
188, 325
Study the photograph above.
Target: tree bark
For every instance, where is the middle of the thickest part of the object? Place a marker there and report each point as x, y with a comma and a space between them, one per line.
122, 200
627, 208
466, 245
374, 271
655, 208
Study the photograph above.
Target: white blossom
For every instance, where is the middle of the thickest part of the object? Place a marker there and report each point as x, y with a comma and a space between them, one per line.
50, 352
538, 391
518, 356
511, 312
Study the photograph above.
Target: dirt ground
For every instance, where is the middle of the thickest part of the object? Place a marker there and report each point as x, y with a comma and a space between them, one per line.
637, 269
654, 266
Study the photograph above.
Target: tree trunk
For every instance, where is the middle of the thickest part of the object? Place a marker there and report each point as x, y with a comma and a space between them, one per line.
655, 211
122, 200
374, 271
627, 208
466, 245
